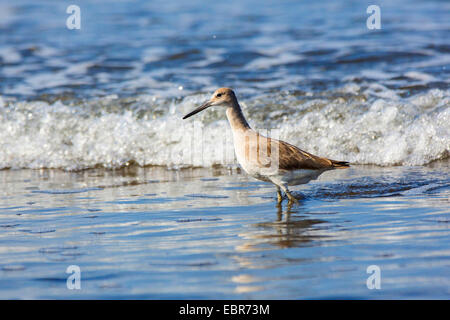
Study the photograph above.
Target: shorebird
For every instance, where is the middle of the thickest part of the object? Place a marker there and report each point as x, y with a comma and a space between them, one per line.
268, 159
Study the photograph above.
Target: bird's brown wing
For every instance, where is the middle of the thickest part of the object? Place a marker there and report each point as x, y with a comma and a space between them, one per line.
260, 151
293, 158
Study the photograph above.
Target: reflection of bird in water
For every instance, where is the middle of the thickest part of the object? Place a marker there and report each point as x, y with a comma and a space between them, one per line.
287, 231
264, 158
291, 232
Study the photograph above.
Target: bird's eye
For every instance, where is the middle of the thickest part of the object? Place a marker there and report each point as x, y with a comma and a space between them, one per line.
218, 95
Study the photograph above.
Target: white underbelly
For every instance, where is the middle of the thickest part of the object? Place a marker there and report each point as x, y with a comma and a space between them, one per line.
280, 177
301, 176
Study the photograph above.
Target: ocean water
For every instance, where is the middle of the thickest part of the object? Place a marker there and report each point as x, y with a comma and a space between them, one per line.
151, 233
99, 170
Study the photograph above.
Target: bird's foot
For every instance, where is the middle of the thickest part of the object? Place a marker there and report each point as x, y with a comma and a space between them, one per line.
292, 199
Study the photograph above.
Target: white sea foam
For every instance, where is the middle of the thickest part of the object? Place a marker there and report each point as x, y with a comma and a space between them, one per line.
267, 62
384, 132
10, 55
379, 129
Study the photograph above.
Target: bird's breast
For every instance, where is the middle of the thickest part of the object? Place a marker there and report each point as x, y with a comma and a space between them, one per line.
255, 153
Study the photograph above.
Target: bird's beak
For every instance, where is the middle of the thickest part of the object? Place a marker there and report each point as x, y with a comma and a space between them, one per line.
207, 104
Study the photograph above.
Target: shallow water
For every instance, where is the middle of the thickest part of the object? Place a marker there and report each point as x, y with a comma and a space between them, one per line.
154, 233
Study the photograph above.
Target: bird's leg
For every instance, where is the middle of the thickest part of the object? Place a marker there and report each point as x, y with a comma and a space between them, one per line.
279, 195
291, 198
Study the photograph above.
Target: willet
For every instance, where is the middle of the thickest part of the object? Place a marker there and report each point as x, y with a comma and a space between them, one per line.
265, 158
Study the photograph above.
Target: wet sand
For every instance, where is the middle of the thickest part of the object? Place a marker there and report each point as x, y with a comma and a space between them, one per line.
152, 233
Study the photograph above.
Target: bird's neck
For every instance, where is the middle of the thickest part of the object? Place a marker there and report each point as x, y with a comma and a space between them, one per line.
236, 117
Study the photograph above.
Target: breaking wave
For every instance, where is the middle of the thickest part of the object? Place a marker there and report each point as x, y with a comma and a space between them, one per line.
363, 125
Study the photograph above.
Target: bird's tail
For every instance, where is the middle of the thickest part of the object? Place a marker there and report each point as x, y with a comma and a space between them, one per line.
340, 164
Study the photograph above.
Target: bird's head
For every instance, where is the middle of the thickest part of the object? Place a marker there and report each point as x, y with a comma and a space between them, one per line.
223, 97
